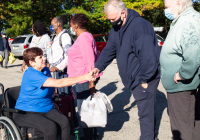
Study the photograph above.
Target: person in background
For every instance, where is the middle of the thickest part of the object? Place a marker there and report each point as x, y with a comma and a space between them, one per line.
81, 59
6, 49
35, 97
58, 53
180, 61
1, 51
10, 40
133, 42
40, 39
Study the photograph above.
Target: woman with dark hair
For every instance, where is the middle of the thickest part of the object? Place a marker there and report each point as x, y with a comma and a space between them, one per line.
35, 97
81, 58
40, 39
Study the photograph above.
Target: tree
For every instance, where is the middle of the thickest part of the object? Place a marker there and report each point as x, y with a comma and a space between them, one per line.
94, 11
20, 14
19, 19
17, 16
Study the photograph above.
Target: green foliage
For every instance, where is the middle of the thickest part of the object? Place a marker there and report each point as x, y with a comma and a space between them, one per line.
17, 16
94, 11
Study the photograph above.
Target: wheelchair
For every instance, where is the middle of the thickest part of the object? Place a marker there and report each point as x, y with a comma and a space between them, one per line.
8, 129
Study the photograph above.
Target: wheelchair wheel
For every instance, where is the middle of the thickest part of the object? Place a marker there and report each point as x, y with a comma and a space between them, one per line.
8, 130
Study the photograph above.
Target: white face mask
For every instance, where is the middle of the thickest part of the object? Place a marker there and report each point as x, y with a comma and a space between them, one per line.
71, 30
4, 36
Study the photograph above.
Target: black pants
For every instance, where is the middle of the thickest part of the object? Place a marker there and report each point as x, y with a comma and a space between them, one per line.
46, 123
181, 107
145, 100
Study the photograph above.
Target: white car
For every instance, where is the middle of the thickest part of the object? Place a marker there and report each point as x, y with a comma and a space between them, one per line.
20, 43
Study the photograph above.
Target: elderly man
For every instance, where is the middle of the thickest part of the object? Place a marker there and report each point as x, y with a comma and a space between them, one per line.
133, 43
180, 61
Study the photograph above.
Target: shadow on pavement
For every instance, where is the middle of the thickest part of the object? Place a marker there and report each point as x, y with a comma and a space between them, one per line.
119, 115
14, 65
161, 104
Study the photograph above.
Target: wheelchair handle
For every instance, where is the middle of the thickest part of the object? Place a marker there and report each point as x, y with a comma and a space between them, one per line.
2, 88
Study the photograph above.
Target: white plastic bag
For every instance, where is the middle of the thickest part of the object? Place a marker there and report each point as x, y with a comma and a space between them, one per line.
106, 101
94, 112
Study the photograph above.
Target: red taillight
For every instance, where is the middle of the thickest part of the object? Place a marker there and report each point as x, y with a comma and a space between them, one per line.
161, 43
26, 46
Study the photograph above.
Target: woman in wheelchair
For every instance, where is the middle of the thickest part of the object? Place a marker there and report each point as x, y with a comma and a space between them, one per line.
35, 97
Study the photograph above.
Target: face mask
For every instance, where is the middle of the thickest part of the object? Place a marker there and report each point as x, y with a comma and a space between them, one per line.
168, 14
51, 28
117, 23
73, 33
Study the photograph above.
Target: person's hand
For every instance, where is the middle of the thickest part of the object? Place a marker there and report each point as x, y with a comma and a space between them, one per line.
144, 85
177, 78
95, 72
53, 69
23, 67
89, 77
48, 65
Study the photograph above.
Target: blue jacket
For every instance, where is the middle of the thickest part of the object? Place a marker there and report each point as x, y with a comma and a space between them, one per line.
1, 44
136, 49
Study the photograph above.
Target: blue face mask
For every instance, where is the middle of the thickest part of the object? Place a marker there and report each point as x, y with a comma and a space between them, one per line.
51, 28
73, 33
168, 14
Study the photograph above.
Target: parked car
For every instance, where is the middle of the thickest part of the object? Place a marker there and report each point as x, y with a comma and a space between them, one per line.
160, 40
101, 40
20, 43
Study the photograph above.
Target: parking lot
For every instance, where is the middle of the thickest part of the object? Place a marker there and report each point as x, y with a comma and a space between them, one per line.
123, 123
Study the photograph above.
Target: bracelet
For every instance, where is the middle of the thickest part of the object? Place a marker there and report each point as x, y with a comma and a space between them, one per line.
92, 84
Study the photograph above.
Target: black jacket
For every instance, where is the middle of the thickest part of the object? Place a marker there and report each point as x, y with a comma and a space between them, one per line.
1, 44
136, 50
6, 44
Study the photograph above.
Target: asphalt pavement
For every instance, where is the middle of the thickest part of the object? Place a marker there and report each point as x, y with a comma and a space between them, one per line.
123, 123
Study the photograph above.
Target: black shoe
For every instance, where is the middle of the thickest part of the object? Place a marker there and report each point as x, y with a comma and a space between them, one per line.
1, 65
6, 67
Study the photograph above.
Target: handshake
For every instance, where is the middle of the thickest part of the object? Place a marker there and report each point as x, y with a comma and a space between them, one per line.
92, 75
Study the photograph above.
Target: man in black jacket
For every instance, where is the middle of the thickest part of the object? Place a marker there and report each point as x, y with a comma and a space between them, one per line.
6, 49
133, 42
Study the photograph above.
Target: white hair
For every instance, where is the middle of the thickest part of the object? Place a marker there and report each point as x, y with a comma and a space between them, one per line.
185, 4
117, 4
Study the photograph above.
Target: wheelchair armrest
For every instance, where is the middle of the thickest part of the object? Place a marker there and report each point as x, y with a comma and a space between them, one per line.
11, 110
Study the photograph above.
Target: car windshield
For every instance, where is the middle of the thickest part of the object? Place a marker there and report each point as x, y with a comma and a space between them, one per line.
102, 38
19, 40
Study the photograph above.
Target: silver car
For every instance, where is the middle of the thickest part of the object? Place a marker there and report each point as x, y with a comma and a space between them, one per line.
20, 43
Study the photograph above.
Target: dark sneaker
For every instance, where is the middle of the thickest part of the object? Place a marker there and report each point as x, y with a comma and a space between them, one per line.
6, 67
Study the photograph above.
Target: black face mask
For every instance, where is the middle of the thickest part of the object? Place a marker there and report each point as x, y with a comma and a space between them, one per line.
117, 23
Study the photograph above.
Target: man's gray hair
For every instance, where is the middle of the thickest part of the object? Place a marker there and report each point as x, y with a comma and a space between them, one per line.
117, 4
185, 4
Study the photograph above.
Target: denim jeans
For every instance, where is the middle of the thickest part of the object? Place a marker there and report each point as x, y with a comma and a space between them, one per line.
145, 100
82, 91
60, 75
